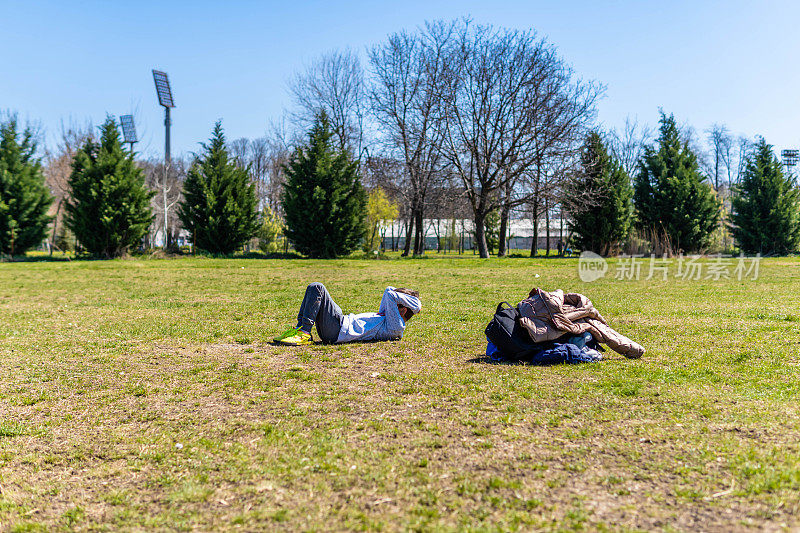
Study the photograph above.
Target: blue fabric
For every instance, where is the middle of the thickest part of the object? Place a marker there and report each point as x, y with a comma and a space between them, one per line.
581, 341
553, 353
594, 354
574, 355
492, 351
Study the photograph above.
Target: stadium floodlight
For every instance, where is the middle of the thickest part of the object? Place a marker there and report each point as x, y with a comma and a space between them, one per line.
163, 89
790, 157
164, 92
128, 130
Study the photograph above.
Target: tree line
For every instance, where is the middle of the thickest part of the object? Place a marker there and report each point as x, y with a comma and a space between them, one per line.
674, 206
449, 120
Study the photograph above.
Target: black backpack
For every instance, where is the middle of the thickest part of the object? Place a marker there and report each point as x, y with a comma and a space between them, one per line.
510, 337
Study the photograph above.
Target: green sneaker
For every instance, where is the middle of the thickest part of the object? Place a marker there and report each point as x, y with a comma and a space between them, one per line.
294, 337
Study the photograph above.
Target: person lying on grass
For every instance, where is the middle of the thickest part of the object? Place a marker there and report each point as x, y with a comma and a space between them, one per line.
333, 326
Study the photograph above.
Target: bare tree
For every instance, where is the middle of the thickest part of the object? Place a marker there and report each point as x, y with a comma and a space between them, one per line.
409, 71
488, 120
509, 200
239, 150
547, 182
255, 155
279, 147
261, 155
167, 181
743, 148
720, 141
333, 83
447, 204
559, 128
265, 158
628, 144
508, 104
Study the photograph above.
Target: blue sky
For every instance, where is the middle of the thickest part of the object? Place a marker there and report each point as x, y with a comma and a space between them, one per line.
733, 62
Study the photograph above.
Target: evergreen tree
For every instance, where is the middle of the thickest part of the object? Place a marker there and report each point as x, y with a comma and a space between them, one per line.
324, 202
766, 206
109, 205
599, 199
491, 230
671, 196
24, 199
219, 205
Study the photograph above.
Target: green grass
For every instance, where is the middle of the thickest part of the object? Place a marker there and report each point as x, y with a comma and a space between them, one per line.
144, 394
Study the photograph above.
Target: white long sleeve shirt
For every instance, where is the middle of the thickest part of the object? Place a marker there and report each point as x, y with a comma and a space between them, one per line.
386, 324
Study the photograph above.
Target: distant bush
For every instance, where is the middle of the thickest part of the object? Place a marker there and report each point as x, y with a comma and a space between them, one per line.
380, 211
271, 227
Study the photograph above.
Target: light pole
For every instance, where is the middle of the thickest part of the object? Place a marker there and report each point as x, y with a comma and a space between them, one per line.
165, 99
128, 130
790, 159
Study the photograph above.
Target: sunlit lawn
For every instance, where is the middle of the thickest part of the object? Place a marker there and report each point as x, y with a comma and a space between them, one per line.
144, 394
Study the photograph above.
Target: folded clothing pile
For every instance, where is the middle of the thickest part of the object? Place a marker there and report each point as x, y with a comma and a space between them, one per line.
549, 315
553, 327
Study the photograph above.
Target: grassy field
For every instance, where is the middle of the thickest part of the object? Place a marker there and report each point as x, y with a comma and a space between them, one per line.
144, 395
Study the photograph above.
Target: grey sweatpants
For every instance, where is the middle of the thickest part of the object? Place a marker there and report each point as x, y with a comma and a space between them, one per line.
318, 308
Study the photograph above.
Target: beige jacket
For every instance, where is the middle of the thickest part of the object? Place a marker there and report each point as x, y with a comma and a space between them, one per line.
549, 315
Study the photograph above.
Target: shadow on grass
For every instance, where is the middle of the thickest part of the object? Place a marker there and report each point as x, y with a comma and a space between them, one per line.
486, 360
156, 255
159, 254
260, 255
35, 259
540, 256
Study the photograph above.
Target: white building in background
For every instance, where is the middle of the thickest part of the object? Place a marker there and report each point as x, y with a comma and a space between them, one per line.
439, 230
157, 238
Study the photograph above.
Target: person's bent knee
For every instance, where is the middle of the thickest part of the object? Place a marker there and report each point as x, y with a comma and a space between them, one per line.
316, 286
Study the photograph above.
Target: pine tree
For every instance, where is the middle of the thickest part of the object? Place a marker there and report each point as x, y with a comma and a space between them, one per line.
109, 205
766, 206
599, 199
323, 200
219, 207
24, 199
670, 194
